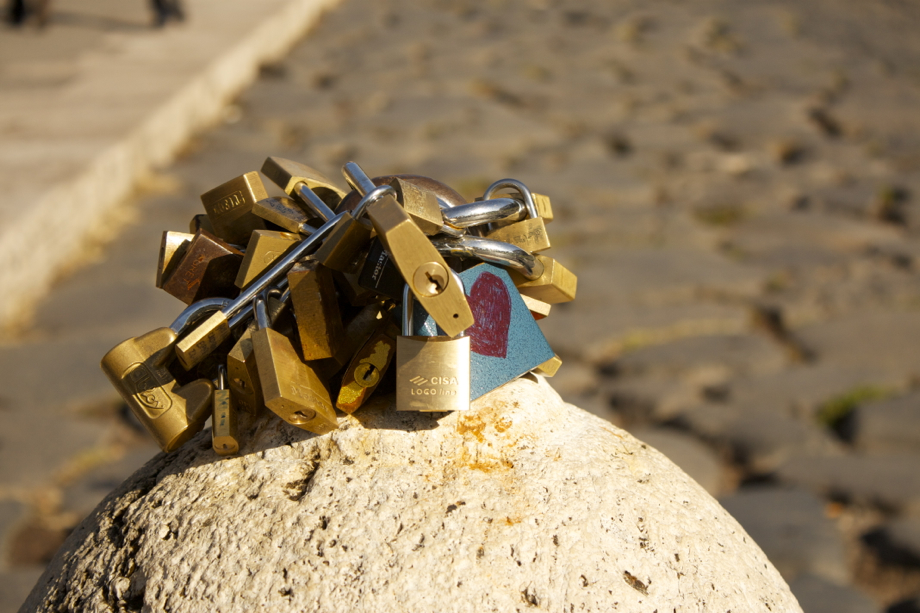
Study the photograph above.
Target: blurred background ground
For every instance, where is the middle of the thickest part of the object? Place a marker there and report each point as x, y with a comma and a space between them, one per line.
736, 185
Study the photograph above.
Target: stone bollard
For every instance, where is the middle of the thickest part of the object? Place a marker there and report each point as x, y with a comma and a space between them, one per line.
524, 502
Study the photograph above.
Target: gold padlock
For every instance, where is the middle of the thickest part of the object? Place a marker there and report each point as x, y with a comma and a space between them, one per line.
172, 248
294, 177
420, 204
206, 269
291, 389
224, 437
241, 363
529, 234
229, 207
319, 321
432, 372
359, 328
284, 212
550, 367
265, 246
170, 412
367, 369
556, 284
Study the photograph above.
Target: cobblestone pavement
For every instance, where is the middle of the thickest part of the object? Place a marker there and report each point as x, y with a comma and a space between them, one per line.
734, 183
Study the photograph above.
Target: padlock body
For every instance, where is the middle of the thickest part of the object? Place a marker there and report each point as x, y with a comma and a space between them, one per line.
341, 248
224, 437
432, 373
290, 388
367, 369
528, 234
171, 413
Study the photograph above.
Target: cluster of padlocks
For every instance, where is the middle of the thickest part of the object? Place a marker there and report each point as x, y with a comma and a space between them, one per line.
295, 301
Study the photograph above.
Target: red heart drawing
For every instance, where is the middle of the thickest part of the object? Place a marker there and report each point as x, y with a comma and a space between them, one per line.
491, 306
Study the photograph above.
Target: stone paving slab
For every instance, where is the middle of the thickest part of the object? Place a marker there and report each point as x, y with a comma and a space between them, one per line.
95, 101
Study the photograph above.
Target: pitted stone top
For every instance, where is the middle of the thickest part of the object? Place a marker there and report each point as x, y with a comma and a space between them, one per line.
522, 502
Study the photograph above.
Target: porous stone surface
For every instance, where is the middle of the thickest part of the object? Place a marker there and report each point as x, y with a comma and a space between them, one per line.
522, 502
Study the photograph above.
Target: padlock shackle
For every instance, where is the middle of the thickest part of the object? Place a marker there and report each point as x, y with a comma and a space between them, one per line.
518, 186
221, 383
261, 313
357, 178
314, 203
492, 251
195, 312
484, 211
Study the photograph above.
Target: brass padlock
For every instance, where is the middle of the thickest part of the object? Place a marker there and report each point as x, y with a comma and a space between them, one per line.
349, 240
359, 328
208, 335
172, 248
290, 388
284, 212
265, 246
554, 285
319, 321
432, 372
224, 437
229, 207
170, 412
207, 269
294, 177
241, 363
200, 222
367, 369
420, 204
424, 270
550, 367
529, 234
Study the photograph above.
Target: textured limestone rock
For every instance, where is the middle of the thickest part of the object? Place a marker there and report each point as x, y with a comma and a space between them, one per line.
522, 503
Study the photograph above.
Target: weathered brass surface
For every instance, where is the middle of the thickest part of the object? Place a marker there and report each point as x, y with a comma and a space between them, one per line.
243, 375
544, 206
172, 247
283, 212
202, 340
528, 234
345, 246
550, 367
229, 207
537, 308
420, 204
556, 284
369, 320
265, 246
207, 269
170, 412
366, 369
291, 389
286, 174
200, 222
224, 437
432, 373
411, 250
319, 321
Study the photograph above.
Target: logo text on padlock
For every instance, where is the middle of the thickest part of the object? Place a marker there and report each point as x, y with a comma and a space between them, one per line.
432, 372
